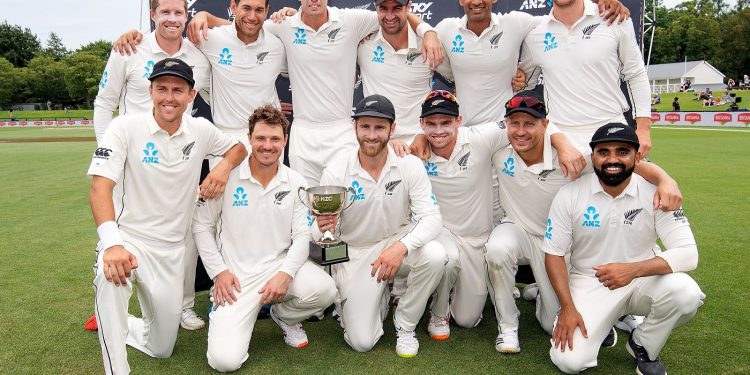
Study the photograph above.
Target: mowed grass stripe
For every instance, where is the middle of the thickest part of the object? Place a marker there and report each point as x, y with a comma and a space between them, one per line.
48, 240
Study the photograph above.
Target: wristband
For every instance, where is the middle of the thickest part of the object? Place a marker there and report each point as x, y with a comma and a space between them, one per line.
109, 235
423, 28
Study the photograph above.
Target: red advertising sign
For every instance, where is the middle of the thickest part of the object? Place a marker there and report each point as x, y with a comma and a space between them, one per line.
744, 118
693, 117
37, 123
722, 118
655, 117
71, 122
60, 123
13, 123
85, 122
672, 117
23, 123
49, 123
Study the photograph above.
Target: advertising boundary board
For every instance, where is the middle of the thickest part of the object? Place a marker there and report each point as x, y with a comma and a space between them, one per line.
714, 119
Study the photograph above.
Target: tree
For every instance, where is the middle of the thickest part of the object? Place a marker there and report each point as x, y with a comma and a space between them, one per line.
46, 79
100, 48
55, 47
82, 75
733, 54
17, 45
8, 82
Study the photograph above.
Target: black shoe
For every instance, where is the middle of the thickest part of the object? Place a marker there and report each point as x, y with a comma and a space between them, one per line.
644, 366
611, 339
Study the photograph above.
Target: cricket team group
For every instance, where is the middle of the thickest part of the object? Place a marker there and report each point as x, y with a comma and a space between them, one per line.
449, 192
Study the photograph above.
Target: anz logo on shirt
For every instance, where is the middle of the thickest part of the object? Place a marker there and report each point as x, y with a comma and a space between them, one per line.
548, 233
509, 166
458, 44
309, 218
379, 55
104, 80
150, 151
431, 169
240, 197
591, 218
225, 57
149, 67
300, 36
434, 199
550, 42
357, 192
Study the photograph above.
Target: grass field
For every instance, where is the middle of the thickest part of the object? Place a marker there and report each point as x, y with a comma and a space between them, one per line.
47, 246
688, 104
73, 114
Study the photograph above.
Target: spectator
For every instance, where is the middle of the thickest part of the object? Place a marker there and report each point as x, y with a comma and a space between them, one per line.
730, 84
49, 105
726, 98
676, 104
747, 80
688, 84
656, 99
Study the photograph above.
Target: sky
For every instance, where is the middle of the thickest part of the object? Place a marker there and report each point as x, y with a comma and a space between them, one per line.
79, 22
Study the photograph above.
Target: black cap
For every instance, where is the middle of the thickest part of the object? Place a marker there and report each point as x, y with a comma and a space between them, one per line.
173, 67
402, 2
527, 101
615, 132
375, 106
440, 102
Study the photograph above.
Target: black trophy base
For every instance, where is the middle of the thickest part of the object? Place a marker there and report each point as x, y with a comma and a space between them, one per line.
327, 254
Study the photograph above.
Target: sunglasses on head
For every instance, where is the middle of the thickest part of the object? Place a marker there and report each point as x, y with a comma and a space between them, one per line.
441, 93
526, 102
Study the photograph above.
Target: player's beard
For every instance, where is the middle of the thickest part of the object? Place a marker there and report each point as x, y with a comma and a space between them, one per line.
372, 151
613, 179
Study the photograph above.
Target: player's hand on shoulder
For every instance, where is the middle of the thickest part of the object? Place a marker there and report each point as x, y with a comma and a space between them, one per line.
213, 185
572, 161
420, 147
118, 264
519, 80
275, 289
432, 50
616, 275
127, 42
224, 286
197, 29
387, 264
281, 14
568, 320
612, 10
668, 196
400, 148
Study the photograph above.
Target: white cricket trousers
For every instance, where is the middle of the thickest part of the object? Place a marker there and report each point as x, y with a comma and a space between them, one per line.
508, 246
159, 278
313, 145
363, 301
466, 275
231, 326
667, 301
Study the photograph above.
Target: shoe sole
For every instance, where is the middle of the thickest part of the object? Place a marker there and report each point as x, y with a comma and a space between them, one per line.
300, 346
407, 355
440, 337
614, 343
508, 351
192, 328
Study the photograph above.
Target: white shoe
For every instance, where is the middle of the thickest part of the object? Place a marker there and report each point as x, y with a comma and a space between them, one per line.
407, 345
530, 292
190, 320
508, 342
294, 335
628, 323
439, 327
516, 293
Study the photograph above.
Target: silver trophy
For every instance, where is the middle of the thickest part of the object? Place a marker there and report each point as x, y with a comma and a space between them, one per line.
327, 201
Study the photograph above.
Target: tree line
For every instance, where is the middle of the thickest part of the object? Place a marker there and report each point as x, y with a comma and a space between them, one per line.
708, 30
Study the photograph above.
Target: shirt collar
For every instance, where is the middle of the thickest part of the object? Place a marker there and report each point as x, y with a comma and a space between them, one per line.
631, 189
548, 157
156, 48
413, 42
356, 167
233, 31
334, 16
244, 173
154, 127
494, 21
589, 9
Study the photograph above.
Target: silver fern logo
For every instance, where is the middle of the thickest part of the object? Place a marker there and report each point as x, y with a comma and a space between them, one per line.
391, 186
260, 57
187, 150
463, 162
332, 35
280, 197
588, 30
545, 173
631, 214
495, 40
412, 56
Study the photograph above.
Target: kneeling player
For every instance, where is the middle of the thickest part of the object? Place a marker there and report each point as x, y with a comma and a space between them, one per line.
254, 244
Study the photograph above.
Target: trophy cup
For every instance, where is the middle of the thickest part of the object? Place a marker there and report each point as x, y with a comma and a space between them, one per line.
327, 201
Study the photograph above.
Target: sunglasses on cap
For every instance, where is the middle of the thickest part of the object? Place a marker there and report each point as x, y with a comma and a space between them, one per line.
526, 102
441, 93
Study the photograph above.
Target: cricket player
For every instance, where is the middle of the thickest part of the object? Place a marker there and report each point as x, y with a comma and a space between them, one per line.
606, 224
245, 61
390, 228
156, 157
459, 168
583, 62
124, 85
254, 242
321, 47
530, 174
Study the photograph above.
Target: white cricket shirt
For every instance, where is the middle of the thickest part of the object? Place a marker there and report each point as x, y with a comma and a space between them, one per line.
582, 69
322, 63
251, 227
596, 229
463, 183
124, 83
380, 209
243, 76
158, 172
483, 66
527, 191
400, 76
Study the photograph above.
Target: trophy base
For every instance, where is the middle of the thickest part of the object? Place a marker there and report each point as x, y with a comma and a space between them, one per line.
327, 254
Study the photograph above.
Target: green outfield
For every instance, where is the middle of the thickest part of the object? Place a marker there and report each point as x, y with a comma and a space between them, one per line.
688, 102
48, 238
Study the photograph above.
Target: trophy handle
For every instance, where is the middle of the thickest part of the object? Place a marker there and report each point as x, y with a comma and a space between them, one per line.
303, 199
349, 190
